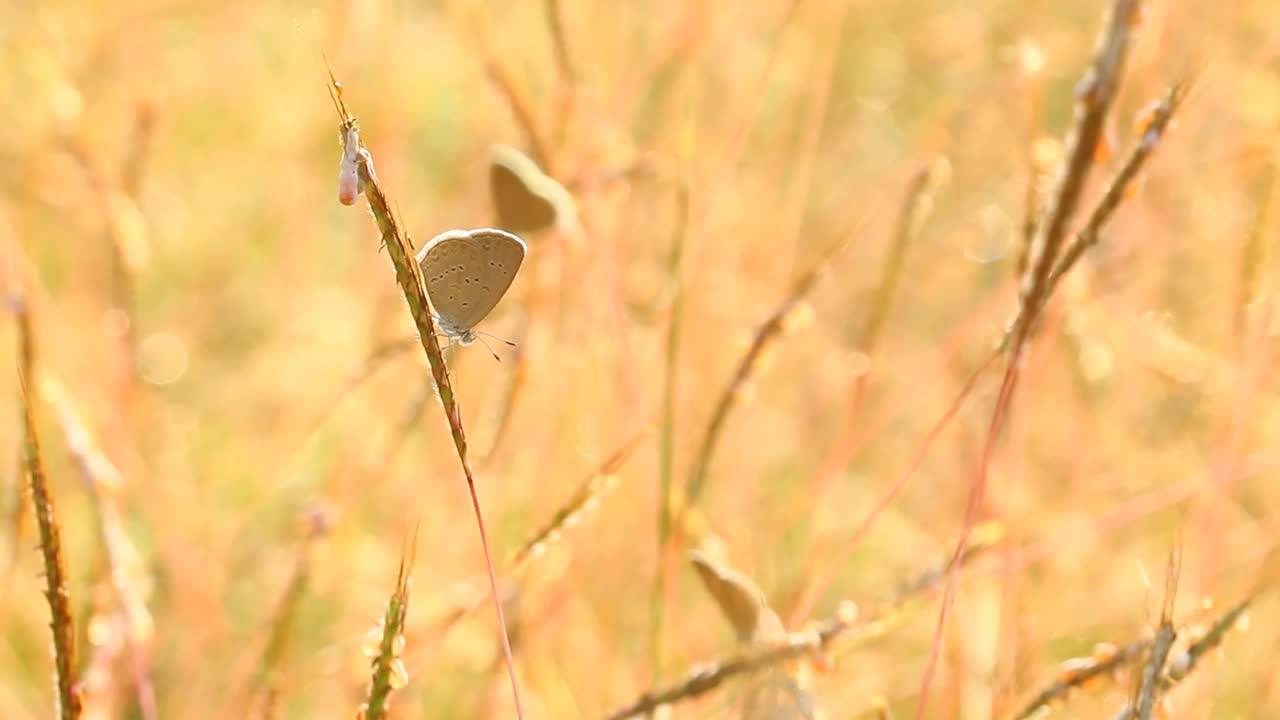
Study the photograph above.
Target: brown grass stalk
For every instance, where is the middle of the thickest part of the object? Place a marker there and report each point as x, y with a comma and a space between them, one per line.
64, 649
409, 278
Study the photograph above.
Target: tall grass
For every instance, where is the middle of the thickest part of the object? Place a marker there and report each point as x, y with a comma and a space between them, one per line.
793, 425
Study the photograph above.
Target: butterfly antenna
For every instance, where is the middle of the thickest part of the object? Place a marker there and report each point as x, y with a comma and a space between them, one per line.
487, 347
509, 343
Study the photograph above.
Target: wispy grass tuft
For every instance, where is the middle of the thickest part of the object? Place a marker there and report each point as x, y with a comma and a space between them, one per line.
409, 277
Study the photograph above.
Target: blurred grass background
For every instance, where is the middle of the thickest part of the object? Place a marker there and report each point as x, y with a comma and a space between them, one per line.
198, 136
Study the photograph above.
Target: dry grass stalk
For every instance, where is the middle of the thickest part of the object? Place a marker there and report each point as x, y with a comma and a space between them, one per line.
910, 215
1160, 118
409, 278
1186, 661
126, 231
520, 110
1182, 664
712, 675
765, 335
1080, 672
135, 162
515, 385
555, 23
125, 572
27, 367
1161, 644
268, 677
598, 484
666, 432
846, 624
413, 413
68, 697
1094, 97
1254, 255
815, 589
1161, 114
388, 643
564, 64
1151, 673
915, 203
1077, 673
375, 360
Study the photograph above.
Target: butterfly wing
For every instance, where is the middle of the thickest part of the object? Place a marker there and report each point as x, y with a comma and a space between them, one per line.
524, 197
468, 272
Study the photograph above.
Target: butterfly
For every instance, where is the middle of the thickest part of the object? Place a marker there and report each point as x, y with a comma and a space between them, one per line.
525, 198
466, 273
